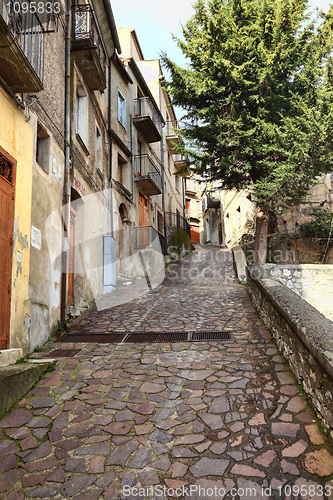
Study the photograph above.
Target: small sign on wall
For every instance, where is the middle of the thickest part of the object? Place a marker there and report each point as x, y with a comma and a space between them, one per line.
36, 238
56, 167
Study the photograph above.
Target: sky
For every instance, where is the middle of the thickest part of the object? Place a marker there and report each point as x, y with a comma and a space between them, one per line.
155, 20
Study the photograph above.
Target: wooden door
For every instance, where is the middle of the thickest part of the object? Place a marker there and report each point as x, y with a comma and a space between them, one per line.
7, 204
71, 256
143, 210
195, 234
188, 208
143, 220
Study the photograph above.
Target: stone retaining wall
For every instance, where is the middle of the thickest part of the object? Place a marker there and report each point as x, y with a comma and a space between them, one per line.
303, 335
312, 282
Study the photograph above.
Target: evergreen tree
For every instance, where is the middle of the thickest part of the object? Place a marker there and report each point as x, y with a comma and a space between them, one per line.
257, 99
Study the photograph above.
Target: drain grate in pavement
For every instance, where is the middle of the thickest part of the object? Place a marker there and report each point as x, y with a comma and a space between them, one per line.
145, 337
63, 353
101, 338
202, 336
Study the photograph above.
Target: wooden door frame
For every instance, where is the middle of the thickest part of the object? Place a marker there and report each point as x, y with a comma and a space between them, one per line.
144, 236
4, 343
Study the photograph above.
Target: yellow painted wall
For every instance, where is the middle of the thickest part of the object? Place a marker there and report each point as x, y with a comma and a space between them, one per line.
16, 137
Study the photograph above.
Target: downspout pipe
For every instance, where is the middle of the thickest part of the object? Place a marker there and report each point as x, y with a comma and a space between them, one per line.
67, 184
111, 225
163, 198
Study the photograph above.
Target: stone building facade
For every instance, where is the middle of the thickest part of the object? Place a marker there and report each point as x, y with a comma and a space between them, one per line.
31, 173
76, 164
227, 215
146, 186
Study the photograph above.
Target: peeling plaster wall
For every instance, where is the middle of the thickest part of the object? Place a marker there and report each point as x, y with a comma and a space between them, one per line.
45, 260
35, 297
16, 137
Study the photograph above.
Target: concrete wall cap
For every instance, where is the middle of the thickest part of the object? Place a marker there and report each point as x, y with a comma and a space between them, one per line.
313, 328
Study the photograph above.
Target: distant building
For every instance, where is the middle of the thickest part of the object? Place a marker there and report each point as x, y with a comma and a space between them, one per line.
148, 191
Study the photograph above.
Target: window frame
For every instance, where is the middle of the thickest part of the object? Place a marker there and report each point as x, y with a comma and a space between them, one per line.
82, 116
121, 108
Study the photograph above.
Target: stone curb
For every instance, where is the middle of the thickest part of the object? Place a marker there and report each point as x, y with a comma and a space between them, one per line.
239, 263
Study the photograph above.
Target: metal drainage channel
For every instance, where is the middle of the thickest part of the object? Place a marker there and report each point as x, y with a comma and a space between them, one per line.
146, 337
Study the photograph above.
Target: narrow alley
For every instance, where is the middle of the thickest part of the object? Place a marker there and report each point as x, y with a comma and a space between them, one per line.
208, 419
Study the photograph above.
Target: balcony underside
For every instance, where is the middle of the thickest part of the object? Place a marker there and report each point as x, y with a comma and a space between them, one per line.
179, 166
213, 203
87, 60
190, 192
147, 128
171, 141
15, 69
147, 185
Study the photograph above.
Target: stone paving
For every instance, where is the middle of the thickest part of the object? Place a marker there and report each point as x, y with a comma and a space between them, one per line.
206, 420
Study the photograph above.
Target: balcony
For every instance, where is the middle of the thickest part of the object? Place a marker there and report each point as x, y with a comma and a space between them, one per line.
171, 136
22, 42
148, 236
213, 200
87, 45
190, 188
147, 119
176, 220
147, 175
180, 163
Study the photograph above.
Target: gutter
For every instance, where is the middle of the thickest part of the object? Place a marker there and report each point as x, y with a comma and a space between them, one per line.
112, 24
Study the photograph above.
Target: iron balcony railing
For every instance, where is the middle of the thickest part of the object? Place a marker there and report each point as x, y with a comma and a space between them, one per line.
177, 220
213, 200
85, 30
148, 236
179, 158
145, 167
27, 31
171, 125
143, 106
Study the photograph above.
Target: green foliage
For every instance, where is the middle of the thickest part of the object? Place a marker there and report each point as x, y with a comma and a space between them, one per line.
319, 226
25, 360
257, 96
61, 326
21, 360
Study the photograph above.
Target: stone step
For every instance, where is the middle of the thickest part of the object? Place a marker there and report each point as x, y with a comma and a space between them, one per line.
16, 380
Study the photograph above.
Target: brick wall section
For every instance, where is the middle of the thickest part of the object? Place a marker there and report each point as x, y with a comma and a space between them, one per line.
313, 282
303, 335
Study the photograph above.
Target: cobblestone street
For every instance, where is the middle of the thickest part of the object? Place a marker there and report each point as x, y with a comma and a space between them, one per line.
222, 415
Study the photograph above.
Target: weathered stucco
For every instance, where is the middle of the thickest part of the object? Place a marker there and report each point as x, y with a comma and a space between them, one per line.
16, 137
